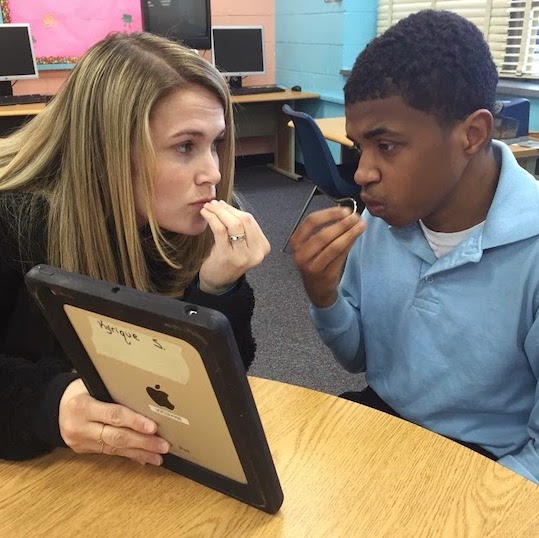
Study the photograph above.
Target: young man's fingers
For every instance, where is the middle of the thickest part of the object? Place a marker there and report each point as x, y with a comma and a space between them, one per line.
316, 220
321, 238
340, 247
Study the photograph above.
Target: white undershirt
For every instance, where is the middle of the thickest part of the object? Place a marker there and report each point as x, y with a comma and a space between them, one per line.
441, 243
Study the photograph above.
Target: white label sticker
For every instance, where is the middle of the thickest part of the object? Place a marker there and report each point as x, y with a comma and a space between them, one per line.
168, 414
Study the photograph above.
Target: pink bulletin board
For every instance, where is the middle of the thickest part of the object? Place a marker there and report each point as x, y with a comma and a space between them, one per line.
64, 29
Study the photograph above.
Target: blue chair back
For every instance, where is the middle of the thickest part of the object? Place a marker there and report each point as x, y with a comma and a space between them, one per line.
319, 164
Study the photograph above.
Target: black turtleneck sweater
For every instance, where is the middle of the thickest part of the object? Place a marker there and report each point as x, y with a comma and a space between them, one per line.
34, 372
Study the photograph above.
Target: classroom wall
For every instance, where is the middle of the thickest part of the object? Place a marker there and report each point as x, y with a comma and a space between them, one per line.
224, 12
308, 42
534, 114
245, 13
315, 40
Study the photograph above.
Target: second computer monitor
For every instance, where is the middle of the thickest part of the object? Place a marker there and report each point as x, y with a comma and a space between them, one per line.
19, 62
238, 51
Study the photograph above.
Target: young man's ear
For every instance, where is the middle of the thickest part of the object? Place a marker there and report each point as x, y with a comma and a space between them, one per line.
477, 131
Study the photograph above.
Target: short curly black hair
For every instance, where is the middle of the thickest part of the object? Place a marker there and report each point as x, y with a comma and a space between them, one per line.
437, 61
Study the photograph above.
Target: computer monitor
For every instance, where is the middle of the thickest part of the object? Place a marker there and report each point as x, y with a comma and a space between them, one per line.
188, 21
238, 51
20, 62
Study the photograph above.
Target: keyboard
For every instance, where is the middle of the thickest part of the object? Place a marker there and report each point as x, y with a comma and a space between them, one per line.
31, 98
255, 90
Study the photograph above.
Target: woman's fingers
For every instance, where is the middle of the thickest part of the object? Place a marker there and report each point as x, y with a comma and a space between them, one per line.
253, 233
89, 425
121, 416
239, 246
229, 222
133, 445
225, 222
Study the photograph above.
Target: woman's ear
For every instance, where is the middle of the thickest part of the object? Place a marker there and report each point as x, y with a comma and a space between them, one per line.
477, 131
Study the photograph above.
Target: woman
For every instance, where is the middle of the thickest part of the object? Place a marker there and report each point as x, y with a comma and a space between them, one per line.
126, 176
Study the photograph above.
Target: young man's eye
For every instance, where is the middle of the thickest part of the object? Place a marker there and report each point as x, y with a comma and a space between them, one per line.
357, 148
387, 147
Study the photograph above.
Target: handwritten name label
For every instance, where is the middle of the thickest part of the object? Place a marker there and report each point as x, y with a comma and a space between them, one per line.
126, 335
137, 346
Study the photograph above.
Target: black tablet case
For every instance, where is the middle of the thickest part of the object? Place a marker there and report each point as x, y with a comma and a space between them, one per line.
207, 330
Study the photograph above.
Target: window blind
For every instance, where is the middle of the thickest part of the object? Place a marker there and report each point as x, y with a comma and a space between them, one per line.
510, 28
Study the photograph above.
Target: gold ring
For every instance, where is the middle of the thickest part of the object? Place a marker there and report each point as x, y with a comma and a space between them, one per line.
100, 441
236, 238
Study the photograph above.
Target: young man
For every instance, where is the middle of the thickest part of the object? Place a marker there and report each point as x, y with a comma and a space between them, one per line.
439, 298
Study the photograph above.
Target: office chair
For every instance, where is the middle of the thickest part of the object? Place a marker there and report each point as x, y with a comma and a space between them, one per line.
320, 167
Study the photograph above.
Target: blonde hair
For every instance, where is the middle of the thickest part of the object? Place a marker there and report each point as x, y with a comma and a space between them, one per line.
80, 153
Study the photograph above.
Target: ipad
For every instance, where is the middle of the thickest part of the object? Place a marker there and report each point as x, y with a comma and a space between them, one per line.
174, 362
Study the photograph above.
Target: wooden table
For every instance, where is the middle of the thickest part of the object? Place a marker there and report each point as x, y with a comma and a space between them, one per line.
255, 115
334, 129
346, 471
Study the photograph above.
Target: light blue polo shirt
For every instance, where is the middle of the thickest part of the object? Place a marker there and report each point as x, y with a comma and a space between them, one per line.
452, 344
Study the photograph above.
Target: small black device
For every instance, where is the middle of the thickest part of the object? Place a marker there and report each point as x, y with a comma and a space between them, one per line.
174, 362
296, 88
511, 119
26, 99
255, 90
188, 21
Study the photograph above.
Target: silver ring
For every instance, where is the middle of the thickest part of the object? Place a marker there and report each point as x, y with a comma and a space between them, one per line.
236, 238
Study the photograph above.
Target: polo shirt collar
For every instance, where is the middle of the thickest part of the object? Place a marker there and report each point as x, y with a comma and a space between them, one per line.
514, 212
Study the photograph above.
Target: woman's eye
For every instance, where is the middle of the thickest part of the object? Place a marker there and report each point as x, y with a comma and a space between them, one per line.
216, 144
185, 148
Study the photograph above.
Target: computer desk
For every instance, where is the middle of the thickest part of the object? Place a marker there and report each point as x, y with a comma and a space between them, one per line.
12, 117
254, 115
346, 470
334, 129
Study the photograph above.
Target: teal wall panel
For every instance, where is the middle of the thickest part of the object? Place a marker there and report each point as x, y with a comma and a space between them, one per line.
359, 29
309, 7
320, 28
314, 41
534, 114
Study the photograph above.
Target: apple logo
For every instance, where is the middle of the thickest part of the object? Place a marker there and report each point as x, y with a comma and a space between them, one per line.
159, 397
